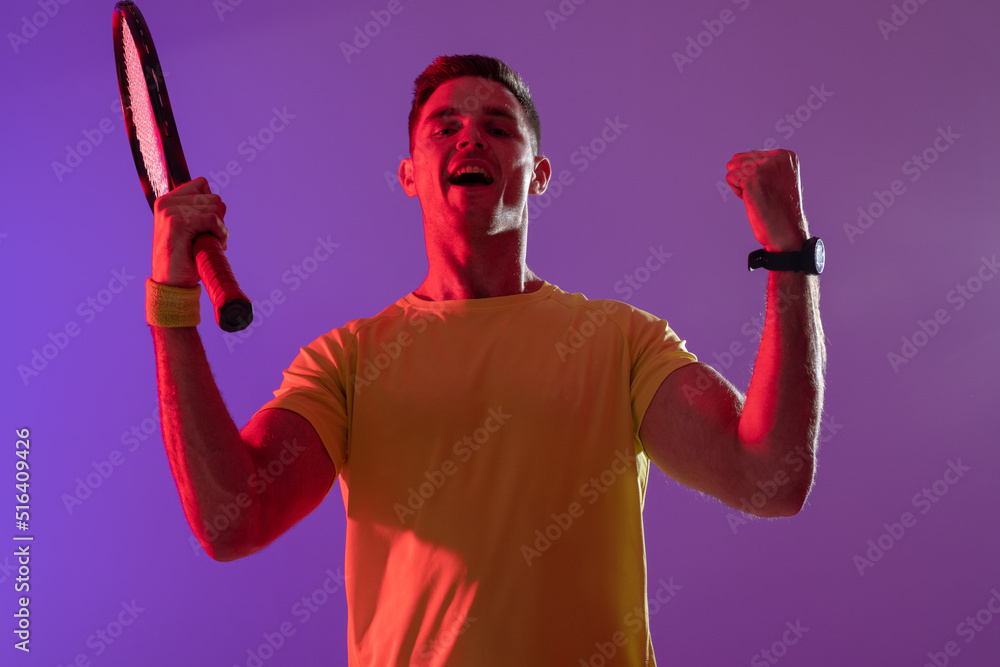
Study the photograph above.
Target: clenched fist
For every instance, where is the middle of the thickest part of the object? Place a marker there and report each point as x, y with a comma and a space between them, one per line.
178, 217
768, 183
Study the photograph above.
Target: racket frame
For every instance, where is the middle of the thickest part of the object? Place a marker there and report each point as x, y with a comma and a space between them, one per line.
233, 309
170, 143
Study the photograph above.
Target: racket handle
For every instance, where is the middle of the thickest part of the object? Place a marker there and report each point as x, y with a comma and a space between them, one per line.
233, 310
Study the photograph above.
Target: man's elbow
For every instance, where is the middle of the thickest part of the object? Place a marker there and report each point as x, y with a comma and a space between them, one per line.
226, 553
228, 544
221, 556
793, 499
788, 506
777, 507
773, 499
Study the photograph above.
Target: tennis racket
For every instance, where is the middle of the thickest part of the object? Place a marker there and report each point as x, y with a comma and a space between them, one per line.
159, 159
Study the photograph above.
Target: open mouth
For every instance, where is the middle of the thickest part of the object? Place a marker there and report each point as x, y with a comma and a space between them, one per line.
471, 177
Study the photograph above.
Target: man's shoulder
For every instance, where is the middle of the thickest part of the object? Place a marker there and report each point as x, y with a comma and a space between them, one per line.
345, 334
619, 311
393, 311
633, 323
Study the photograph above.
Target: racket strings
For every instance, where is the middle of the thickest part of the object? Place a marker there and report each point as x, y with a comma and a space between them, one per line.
142, 117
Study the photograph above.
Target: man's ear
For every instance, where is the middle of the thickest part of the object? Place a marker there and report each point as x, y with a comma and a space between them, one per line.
406, 177
542, 174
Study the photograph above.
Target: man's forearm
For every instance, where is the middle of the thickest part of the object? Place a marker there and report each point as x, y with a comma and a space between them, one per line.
209, 460
781, 415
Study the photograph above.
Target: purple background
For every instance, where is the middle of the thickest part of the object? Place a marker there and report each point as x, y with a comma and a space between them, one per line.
888, 434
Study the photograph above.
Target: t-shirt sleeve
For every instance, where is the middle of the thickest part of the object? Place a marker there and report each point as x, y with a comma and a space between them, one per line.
656, 352
315, 386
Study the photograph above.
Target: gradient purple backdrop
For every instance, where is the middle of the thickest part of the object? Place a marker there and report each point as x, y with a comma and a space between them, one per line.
890, 430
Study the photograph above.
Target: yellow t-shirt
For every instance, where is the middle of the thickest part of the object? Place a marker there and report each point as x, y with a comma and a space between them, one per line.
492, 475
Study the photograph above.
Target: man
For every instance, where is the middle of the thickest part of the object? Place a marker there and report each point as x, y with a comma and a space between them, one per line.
492, 433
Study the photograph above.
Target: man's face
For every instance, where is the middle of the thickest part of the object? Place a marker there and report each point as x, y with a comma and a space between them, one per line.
472, 161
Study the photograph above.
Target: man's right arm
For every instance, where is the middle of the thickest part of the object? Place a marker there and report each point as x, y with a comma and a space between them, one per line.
237, 499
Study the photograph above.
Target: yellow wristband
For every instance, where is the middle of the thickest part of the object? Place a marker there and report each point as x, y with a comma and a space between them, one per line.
169, 306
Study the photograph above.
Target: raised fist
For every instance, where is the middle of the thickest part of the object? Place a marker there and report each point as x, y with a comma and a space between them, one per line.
768, 183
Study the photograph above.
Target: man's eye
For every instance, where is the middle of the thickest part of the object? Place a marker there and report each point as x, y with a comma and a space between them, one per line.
500, 132
444, 131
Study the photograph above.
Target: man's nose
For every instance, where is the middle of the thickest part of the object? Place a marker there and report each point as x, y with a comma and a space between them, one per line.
472, 135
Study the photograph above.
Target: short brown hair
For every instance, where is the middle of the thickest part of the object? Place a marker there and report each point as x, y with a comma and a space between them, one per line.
445, 68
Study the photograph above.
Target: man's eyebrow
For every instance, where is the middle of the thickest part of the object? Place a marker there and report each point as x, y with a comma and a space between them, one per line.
500, 112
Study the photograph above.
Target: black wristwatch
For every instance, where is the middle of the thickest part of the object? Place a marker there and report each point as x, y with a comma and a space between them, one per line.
810, 259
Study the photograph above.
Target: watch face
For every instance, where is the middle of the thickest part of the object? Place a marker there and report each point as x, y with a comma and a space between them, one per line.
820, 254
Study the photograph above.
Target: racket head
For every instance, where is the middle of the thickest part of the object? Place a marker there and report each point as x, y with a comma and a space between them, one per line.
149, 120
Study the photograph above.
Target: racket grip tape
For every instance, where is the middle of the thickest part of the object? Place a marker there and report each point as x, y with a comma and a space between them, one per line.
233, 310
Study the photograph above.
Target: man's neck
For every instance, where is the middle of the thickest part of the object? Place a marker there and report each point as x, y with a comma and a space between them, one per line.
455, 289
478, 268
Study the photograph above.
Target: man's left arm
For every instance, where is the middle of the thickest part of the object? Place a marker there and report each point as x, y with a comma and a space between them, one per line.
703, 432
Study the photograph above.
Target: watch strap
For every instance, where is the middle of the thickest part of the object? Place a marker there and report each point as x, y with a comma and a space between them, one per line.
810, 259
775, 261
